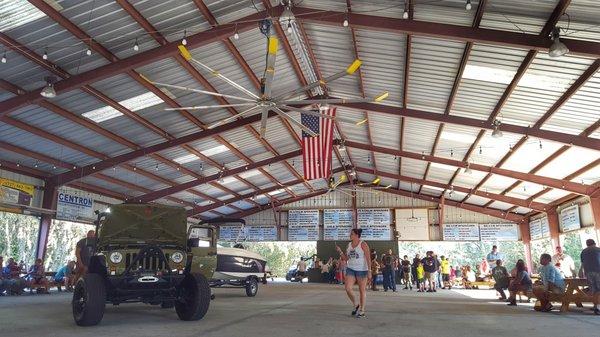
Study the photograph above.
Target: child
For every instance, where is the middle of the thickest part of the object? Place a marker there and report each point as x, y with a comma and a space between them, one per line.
37, 276
421, 277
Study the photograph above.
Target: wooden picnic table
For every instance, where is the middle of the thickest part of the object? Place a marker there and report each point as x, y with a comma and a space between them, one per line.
574, 293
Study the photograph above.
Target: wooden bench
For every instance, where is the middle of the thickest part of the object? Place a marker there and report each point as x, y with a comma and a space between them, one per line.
477, 284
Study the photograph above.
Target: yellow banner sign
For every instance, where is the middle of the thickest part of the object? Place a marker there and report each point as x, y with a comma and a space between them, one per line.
14, 192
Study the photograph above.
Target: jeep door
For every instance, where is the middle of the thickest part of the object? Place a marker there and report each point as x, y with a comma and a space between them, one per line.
203, 246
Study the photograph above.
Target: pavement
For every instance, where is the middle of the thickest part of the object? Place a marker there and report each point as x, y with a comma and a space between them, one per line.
293, 309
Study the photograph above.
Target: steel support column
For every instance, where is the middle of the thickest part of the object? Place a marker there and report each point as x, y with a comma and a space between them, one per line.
595, 203
48, 202
554, 224
526, 238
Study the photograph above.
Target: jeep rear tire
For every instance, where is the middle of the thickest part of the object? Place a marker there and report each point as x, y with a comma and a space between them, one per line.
195, 298
89, 299
251, 287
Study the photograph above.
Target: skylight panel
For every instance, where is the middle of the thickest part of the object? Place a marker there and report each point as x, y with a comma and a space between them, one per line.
458, 137
134, 104
16, 13
504, 76
443, 166
186, 159
215, 150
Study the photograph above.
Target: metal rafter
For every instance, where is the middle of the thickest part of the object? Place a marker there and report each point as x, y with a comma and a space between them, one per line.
407, 56
277, 204
582, 189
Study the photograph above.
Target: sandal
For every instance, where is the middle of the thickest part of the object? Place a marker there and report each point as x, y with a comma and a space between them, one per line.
355, 310
361, 314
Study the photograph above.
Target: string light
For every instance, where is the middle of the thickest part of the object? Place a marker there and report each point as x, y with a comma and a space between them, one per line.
4, 60
289, 26
480, 150
45, 56
88, 52
184, 40
235, 34
540, 144
468, 6
422, 154
136, 47
345, 23
405, 14
156, 167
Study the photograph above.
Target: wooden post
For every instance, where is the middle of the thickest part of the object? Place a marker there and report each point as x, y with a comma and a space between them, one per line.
526, 238
48, 202
553, 222
441, 214
595, 203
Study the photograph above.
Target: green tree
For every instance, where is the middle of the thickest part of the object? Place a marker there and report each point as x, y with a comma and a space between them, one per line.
18, 236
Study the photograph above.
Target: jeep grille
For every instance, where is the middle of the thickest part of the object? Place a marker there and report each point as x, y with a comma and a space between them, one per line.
148, 263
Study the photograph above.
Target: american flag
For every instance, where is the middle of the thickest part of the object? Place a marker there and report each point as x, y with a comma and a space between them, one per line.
316, 151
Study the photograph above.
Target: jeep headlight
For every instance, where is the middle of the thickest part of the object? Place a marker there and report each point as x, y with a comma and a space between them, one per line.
177, 257
116, 257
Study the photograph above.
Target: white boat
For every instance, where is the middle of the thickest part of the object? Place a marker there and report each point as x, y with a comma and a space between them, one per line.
238, 267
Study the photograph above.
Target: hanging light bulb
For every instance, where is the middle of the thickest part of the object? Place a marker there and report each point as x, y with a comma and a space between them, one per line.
557, 49
4, 58
184, 40
136, 47
88, 52
45, 56
345, 23
236, 35
289, 27
468, 6
156, 167
468, 168
48, 90
497, 133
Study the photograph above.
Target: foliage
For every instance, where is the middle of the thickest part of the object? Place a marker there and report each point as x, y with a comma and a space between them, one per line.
62, 241
18, 236
279, 255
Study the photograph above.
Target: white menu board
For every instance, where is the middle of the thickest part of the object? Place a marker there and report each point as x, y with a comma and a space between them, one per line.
569, 219
248, 233
261, 233
461, 232
539, 229
303, 225
375, 224
499, 232
545, 227
337, 224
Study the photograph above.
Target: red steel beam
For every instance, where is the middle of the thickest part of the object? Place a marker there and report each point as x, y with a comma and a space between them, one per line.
277, 204
153, 195
136, 61
497, 197
578, 140
547, 181
474, 208
446, 31
21, 169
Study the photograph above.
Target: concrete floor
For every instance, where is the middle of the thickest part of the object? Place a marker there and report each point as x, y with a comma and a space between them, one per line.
284, 309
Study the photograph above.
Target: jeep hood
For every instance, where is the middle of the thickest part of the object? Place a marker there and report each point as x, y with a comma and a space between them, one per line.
130, 223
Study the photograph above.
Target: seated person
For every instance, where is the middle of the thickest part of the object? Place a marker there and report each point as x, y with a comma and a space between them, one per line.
13, 282
468, 277
552, 283
37, 276
483, 271
500, 275
521, 282
65, 275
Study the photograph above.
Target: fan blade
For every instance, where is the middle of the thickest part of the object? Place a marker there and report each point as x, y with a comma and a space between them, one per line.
263, 121
186, 54
232, 118
379, 98
318, 114
198, 90
270, 67
197, 107
346, 193
349, 71
295, 122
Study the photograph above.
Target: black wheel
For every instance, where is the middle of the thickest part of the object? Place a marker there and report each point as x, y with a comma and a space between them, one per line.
195, 298
251, 287
89, 299
167, 304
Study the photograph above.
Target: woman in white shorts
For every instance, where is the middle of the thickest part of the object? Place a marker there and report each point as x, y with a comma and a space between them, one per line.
357, 257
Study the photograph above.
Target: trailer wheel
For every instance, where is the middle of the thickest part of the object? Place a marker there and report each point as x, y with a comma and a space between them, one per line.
251, 287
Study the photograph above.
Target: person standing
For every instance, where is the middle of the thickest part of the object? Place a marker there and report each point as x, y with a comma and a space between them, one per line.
406, 272
446, 269
83, 252
431, 267
301, 269
563, 262
552, 281
375, 267
420, 272
493, 256
590, 261
500, 275
358, 266
415, 262
389, 280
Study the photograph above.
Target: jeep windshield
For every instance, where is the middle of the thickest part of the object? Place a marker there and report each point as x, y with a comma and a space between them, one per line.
140, 224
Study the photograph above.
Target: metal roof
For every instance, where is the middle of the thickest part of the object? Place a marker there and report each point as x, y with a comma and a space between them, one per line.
554, 94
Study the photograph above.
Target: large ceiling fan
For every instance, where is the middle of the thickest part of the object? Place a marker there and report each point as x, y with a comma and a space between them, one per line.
263, 101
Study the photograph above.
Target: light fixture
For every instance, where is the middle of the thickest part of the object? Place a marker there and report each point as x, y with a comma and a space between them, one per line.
136, 47
184, 40
289, 27
497, 133
468, 6
468, 169
342, 147
345, 23
45, 56
156, 167
405, 14
557, 49
88, 52
287, 13
4, 58
235, 34
48, 90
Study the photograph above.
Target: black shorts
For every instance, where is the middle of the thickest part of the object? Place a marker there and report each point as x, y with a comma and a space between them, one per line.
446, 277
301, 274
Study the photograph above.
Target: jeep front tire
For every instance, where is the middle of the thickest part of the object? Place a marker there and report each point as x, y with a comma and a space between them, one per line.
89, 299
194, 298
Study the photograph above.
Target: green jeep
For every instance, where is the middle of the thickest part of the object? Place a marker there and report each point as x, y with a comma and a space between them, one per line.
145, 253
